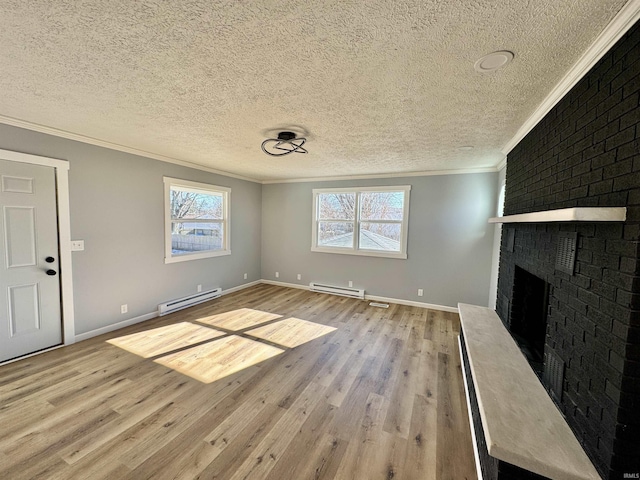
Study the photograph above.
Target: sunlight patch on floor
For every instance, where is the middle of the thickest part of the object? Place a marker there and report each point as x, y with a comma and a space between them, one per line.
291, 332
217, 359
239, 319
157, 341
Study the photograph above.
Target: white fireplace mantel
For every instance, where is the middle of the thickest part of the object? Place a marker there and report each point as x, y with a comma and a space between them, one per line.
521, 424
576, 214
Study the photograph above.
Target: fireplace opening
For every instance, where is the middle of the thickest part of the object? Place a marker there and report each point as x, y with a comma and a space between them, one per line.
528, 322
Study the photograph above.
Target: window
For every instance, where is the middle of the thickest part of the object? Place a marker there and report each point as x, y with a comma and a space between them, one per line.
361, 221
196, 220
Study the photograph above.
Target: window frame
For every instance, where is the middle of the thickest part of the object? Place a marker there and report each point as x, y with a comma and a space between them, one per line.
197, 187
356, 250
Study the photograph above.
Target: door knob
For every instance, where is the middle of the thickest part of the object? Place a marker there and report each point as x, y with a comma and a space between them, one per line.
51, 272
49, 259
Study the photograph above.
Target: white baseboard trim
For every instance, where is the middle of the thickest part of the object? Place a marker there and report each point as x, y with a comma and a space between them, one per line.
411, 303
115, 326
375, 298
240, 287
149, 316
285, 284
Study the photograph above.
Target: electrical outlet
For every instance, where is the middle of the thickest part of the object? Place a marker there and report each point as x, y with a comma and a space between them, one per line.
420, 292
277, 274
77, 245
124, 308
199, 288
245, 276
299, 276
350, 283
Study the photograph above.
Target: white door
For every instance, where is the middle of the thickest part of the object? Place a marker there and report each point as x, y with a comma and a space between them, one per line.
30, 318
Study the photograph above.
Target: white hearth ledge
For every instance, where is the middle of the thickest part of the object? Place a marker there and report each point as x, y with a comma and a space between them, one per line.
522, 425
576, 214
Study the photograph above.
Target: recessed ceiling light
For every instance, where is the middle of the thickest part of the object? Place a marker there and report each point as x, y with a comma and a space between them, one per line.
465, 148
493, 61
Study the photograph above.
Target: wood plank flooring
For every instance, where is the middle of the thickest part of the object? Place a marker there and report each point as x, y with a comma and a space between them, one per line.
379, 397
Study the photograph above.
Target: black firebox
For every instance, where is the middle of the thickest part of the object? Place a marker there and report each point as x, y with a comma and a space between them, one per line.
528, 322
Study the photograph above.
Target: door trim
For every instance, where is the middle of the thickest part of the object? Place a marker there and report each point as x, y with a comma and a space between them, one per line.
64, 234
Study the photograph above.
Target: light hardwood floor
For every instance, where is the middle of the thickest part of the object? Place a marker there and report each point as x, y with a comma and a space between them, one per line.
377, 396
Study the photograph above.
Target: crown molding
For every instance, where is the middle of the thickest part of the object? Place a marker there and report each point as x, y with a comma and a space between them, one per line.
427, 173
628, 15
14, 122
621, 23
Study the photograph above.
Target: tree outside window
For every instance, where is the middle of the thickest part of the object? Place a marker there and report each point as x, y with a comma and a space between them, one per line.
197, 220
363, 221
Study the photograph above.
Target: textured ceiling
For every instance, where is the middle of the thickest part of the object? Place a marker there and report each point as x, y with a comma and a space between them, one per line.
380, 86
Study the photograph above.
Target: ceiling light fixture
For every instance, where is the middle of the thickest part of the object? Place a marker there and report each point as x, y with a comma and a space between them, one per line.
286, 143
493, 61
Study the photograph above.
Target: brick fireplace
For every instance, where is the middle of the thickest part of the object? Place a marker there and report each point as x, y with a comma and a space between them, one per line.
585, 153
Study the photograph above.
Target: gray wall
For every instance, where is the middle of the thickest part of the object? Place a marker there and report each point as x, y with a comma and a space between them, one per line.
449, 244
117, 208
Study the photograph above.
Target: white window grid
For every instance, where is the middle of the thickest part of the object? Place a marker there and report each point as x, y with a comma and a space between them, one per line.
357, 221
189, 186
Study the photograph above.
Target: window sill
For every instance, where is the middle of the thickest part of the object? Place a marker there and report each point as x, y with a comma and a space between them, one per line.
196, 256
361, 253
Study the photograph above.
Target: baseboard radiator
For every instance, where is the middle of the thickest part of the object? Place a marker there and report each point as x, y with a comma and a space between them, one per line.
343, 291
188, 301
